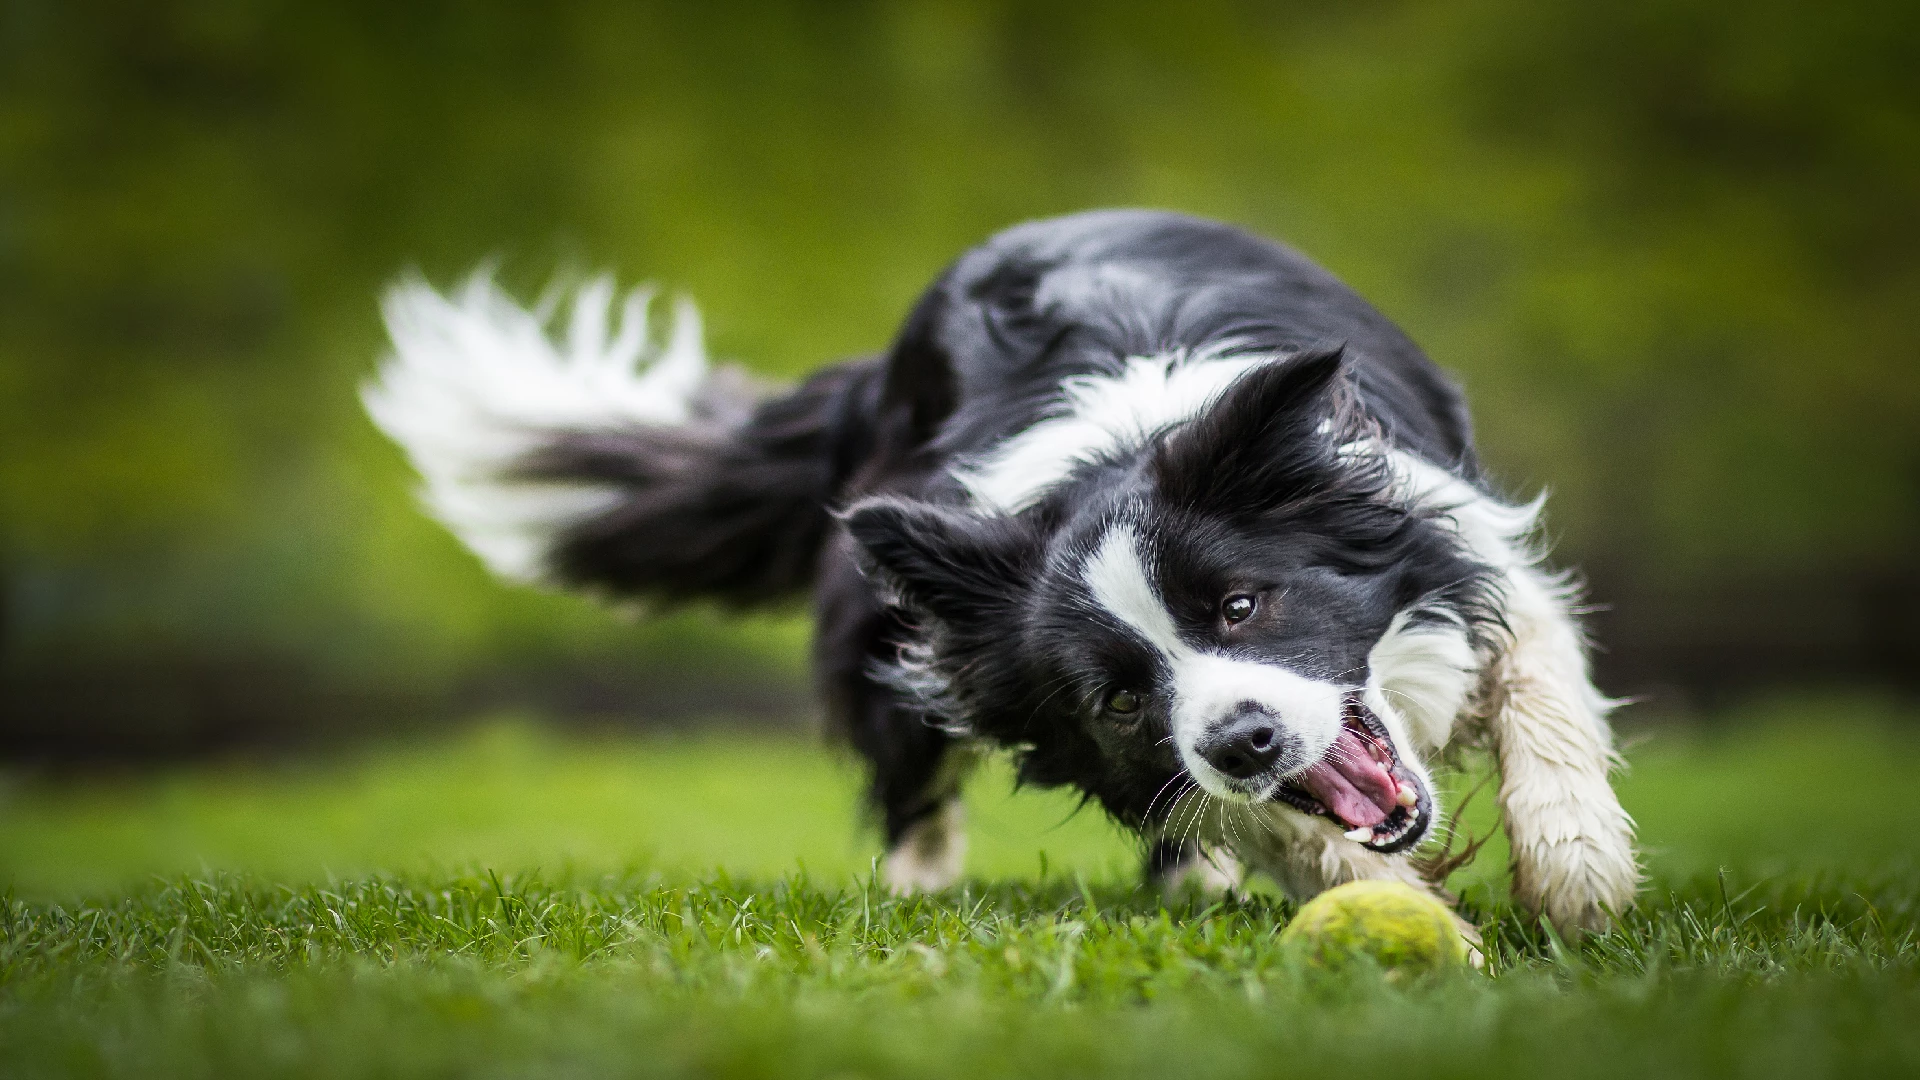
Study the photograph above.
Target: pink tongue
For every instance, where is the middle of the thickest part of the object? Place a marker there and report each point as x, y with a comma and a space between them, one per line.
1359, 790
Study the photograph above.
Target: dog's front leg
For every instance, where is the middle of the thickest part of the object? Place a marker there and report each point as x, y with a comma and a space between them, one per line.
927, 852
1572, 842
930, 854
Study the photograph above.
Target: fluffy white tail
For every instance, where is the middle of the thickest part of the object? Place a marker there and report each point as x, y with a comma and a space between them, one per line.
475, 385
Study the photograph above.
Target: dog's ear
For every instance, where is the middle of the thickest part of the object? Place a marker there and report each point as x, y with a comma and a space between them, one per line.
1267, 440
956, 566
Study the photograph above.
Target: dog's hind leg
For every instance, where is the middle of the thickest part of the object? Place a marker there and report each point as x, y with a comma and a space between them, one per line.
1572, 842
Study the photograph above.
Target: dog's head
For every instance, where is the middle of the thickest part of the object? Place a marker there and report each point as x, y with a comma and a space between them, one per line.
1212, 607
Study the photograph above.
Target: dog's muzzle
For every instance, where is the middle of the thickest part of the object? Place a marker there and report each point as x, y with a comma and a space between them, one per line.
1362, 785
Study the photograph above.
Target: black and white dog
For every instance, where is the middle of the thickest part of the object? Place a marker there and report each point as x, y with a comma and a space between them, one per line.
1161, 508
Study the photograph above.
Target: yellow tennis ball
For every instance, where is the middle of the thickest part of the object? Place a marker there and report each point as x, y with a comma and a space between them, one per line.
1400, 927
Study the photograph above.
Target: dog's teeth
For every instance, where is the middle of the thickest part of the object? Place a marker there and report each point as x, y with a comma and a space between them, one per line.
1360, 835
1409, 798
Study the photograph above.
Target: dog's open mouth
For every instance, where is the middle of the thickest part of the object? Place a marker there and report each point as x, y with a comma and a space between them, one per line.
1363, 786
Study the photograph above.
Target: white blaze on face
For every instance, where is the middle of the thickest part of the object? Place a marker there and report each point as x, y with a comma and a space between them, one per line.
1208, 687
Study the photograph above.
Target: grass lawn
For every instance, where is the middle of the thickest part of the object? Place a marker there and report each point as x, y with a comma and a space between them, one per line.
509, 903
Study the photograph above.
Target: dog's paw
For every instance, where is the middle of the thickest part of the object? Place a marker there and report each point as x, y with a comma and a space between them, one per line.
1580, 883
930, 855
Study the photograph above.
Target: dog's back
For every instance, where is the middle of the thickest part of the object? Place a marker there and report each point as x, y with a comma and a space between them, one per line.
991, 342
603, 462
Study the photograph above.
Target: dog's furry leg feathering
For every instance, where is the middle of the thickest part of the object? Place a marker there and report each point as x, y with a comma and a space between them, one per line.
1572, 842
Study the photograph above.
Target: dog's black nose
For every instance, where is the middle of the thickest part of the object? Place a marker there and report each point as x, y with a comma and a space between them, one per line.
1243, 746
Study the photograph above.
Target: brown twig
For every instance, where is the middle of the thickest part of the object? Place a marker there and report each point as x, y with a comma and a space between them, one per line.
1438, 866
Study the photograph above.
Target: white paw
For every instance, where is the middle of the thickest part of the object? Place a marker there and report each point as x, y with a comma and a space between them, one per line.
931, 854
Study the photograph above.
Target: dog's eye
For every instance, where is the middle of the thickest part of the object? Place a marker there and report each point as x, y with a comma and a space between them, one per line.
1123, 702
1237, 608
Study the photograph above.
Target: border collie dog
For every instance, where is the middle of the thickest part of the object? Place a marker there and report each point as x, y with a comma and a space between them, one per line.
1159, 507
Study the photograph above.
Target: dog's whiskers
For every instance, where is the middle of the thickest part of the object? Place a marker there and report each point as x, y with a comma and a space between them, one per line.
1181, 775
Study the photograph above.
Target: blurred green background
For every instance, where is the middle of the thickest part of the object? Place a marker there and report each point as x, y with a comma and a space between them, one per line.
1673, 251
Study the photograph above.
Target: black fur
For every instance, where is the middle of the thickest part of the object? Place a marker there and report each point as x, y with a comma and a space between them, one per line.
1252, 492
990, 609
732, 508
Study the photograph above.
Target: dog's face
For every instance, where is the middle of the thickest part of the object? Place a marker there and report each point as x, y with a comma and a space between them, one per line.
1207, 611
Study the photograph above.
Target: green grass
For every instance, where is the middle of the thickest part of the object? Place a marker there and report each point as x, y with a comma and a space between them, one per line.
514, 904
752, 803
